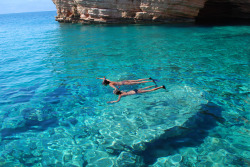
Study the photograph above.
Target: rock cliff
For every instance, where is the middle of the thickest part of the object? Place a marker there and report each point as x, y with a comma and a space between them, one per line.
120, 11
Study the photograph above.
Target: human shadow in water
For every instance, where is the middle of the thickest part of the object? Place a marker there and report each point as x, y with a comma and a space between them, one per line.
193, 136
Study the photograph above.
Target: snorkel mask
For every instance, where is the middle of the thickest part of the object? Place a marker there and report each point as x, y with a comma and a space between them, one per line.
105, 82
117, 91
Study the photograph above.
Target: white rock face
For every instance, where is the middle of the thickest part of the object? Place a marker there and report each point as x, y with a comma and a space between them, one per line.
133, 11
126, 10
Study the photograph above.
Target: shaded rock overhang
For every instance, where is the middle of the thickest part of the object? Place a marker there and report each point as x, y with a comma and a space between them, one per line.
225, 11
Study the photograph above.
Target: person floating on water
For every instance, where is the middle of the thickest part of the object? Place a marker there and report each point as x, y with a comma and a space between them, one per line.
135, 91
126, 82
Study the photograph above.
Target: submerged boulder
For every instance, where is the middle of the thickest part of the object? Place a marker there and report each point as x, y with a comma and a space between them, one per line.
132, 123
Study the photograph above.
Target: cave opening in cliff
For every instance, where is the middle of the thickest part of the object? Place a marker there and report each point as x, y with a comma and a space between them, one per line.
224, 12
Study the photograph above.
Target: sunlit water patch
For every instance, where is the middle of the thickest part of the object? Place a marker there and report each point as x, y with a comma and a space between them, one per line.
54, 112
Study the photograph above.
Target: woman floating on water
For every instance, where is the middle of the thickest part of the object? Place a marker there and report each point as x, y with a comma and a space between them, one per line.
132, 92
126, 82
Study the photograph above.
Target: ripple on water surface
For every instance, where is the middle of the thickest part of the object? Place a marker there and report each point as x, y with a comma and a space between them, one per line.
53, 110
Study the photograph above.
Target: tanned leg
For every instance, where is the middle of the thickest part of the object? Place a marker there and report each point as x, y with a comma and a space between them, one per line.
132, 83
144, 91
146, 87
137, 80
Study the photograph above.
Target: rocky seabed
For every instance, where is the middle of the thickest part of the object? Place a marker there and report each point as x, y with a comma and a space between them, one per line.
116, 136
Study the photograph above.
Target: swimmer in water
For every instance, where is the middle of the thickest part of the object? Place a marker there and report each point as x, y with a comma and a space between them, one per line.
133, 92
126, 82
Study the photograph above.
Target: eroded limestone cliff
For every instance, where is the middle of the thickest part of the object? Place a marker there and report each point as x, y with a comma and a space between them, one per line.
115, 11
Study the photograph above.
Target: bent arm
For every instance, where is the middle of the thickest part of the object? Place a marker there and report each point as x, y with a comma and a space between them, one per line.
112, 86
119, 98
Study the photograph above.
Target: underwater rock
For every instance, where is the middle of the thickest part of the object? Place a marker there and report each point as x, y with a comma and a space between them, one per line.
132, 126
33, 114
103, 162
98, 158
21, 152
13, 122
73, 121
163, 161
48, 158
174, 160
128, 159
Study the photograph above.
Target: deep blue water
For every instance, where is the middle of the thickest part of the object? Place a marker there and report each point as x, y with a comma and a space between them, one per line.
53, 110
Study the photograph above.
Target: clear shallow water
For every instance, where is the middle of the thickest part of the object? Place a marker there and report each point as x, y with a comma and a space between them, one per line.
54, 111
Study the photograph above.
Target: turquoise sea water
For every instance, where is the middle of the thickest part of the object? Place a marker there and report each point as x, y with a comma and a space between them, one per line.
53, 110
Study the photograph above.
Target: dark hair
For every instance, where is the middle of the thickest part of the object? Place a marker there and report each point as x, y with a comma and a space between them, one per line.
117, 92
105, 82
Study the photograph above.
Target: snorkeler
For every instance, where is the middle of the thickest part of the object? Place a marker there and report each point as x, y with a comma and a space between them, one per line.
132, 92
126, 82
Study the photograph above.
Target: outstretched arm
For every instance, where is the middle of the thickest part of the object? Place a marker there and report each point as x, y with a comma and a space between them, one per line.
119, 98
102, 78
